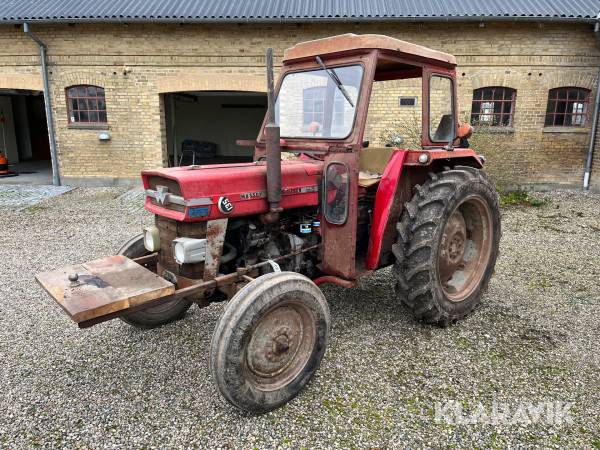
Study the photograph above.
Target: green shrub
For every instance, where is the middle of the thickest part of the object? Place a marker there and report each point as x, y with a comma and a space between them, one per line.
520, 197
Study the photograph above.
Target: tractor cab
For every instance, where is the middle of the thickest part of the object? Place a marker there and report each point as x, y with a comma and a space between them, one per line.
321, 109
340, 72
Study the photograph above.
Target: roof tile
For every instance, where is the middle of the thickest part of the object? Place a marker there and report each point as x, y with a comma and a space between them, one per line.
292, 10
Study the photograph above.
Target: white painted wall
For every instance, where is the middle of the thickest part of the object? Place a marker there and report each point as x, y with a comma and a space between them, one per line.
207, 120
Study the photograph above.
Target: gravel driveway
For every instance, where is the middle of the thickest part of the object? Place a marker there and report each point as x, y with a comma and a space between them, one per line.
386, 380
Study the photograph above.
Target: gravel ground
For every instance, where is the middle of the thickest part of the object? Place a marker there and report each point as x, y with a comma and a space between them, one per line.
533, 340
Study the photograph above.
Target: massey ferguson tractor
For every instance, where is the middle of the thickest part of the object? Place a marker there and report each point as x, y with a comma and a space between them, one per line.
265, 235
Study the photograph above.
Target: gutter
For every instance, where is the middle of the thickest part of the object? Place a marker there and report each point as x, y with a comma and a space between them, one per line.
593, 132
306, 19
47, 104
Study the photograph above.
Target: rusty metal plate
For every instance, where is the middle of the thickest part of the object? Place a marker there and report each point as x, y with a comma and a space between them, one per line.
103, 286
339, 241
215, 236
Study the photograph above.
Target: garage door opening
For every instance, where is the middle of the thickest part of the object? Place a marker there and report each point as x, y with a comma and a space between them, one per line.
24, 136
202, 127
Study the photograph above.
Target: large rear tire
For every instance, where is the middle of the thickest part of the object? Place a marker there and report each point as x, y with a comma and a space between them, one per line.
157, 315
447, 245
269, 341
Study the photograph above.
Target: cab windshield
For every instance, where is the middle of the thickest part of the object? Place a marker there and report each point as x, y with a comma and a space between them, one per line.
311, 105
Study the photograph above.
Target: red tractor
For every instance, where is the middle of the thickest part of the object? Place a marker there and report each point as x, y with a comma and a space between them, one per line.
264, 235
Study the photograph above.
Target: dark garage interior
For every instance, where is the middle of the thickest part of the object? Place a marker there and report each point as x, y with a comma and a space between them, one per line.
24, 136
202, 127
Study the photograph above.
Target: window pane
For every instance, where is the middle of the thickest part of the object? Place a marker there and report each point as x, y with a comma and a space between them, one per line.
487, 110
441, 114
83, 105
577, 120
81, 91
101, 104
92, 91
559, 120
83, 116
571, 107
568, 120
337, 185
100, 92
316, 86
574, 107
73, 104
102, 116
93, 116
93, 103
492, 106
549, 120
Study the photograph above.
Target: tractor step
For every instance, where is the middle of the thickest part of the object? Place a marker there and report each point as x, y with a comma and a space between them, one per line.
103, 287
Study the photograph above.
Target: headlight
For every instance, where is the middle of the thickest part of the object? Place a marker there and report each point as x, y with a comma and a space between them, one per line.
189, 250
151, 239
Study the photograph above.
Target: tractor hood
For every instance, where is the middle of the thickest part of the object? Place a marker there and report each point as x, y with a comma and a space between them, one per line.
198, 193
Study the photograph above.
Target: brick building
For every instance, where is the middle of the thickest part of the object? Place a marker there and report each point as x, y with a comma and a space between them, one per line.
129, 82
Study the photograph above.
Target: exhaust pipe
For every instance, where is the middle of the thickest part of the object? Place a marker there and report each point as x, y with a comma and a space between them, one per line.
273, 147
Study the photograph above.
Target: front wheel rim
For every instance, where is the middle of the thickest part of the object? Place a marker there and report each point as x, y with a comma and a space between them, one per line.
280, 345
465, 248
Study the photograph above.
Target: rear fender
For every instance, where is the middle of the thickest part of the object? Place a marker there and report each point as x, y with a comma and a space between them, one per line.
386, 206
402, 173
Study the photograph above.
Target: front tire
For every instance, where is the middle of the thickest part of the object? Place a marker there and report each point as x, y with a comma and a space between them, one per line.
157, 315
269, 341
447, 245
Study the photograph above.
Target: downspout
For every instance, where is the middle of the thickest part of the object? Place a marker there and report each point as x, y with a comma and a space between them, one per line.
590, 154
49, 120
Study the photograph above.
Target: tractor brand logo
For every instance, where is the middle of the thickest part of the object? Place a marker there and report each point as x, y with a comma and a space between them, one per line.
162, 195
225, 206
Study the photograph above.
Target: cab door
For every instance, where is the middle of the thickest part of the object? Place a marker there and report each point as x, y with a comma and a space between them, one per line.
339, 214
440, 120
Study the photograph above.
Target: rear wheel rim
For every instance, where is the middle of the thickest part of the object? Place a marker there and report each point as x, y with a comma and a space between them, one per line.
465, 248
280, 345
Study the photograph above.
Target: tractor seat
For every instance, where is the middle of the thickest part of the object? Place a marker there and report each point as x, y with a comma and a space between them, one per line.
371, 164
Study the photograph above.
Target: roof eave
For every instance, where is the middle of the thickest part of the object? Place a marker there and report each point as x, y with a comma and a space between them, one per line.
217, 20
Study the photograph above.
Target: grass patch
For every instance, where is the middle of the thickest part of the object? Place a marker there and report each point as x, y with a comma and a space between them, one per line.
37, 208
520, 197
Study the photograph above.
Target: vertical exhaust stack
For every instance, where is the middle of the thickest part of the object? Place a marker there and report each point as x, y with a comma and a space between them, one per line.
273, 147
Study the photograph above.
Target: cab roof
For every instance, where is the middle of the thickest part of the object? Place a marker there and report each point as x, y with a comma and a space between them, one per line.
350, 42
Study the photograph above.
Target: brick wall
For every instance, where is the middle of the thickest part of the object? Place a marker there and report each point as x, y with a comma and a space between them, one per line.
137, 63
